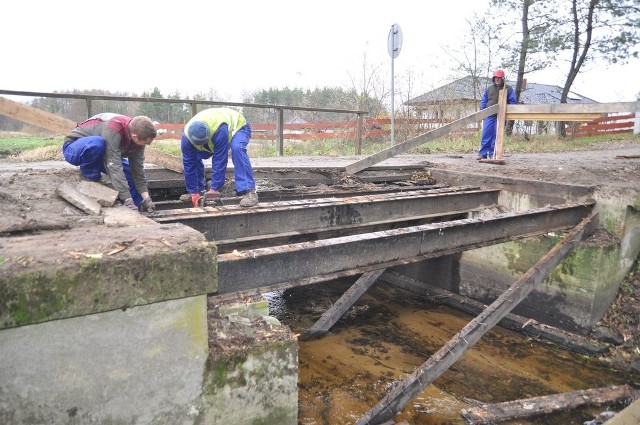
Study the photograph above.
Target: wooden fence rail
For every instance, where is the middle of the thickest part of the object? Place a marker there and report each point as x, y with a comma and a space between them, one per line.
372, 128
610, 124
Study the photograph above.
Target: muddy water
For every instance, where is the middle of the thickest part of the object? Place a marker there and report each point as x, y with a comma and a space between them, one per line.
390, 332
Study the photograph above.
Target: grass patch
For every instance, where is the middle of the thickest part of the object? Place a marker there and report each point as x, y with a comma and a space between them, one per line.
12, 148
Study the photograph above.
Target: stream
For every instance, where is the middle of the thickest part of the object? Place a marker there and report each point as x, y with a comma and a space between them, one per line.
390, 332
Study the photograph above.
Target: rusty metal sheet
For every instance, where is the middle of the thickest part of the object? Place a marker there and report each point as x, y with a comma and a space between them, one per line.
235, 222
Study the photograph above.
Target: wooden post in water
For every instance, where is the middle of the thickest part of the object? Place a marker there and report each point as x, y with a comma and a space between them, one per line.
440, 362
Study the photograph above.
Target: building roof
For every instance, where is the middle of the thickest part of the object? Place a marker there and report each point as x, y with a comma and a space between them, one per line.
463, 89
296, 120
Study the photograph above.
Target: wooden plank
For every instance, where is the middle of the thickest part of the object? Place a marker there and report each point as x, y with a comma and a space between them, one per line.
573, 108
630, 415
552, 117
419, 140
544, 405
36, 117
74, 197
63, 126
170, 162
498, 152
340, 307
437, 364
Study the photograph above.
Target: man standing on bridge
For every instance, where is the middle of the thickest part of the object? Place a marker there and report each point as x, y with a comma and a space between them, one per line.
210, 134
489, 125
114, 144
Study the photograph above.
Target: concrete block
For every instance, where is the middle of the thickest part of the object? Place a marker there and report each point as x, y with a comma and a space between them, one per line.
81, 271
144, 365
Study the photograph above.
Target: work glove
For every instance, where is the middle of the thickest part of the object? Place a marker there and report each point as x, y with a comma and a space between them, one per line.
147, 205
194, 199
130, 204
210, 198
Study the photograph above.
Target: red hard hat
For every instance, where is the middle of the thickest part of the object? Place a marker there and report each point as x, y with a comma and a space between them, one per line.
499, 73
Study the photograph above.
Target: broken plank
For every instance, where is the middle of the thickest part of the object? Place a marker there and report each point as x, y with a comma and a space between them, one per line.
104, 195
337, 310
77, 199
440, 362
170, 162
544, 405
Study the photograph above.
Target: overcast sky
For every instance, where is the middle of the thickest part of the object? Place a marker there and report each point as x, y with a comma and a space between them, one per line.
233, 47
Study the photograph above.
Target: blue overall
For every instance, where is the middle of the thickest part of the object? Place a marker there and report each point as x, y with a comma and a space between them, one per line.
194, 168
88, 154
488, 140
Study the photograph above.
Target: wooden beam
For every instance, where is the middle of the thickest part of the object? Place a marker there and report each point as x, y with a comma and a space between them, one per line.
552, 117
63, 126
419, 140
340, 307
498, 153
544, 405
573, 108
437, 364
36, 117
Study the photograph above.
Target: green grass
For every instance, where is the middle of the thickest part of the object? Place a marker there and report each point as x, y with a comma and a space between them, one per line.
29, 149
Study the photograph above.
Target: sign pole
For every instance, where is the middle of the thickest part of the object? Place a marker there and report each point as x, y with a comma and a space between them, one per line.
394, 43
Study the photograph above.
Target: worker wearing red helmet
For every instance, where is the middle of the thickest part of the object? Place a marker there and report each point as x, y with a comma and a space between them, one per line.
489, 125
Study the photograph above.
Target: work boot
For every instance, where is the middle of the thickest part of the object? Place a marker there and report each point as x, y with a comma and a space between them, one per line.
250, 199
104, 179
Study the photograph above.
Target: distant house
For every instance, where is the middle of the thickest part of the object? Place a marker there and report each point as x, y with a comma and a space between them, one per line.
296, 120
462, 97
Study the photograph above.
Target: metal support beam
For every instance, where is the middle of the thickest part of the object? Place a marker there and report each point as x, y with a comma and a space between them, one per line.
234, 222
263, 267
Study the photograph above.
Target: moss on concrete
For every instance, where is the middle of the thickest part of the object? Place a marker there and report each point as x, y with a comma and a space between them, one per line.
264, 375
100, 284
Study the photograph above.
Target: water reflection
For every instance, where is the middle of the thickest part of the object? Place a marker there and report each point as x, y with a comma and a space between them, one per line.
390, 332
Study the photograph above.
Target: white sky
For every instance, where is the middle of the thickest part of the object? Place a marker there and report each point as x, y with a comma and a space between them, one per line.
232, 47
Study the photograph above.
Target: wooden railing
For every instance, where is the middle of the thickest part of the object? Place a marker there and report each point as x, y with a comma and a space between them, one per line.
279, 125
371, 128
610, 124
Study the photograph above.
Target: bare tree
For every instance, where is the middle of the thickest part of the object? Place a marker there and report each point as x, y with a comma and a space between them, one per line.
597, 29
574, 32
369, 91
479, 50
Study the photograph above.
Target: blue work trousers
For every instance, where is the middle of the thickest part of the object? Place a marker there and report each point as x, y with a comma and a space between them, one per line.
488, 141
88, 153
